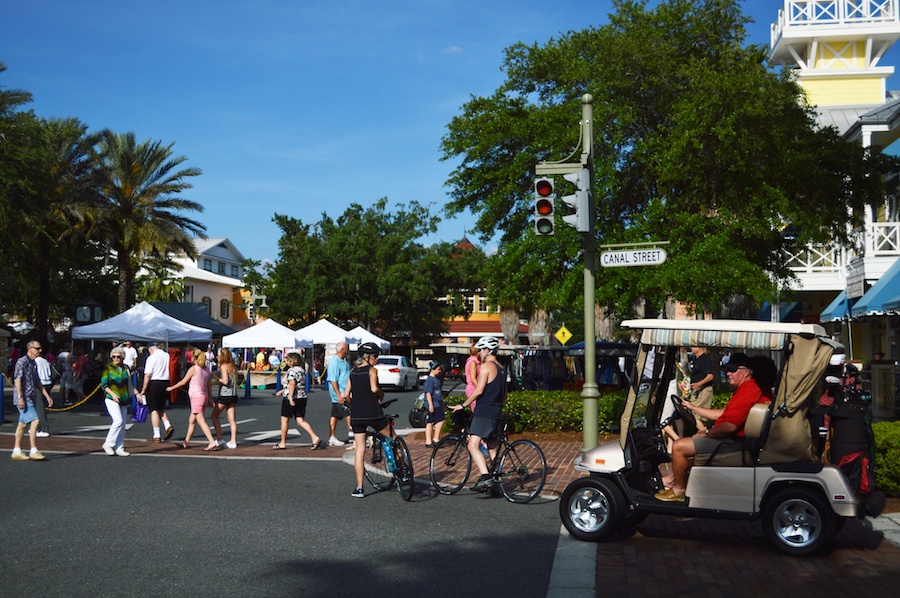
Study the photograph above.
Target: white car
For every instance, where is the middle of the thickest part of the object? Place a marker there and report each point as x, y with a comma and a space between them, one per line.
397, 370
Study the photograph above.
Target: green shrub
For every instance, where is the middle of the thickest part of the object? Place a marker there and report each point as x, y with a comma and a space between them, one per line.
549, 411
887, 456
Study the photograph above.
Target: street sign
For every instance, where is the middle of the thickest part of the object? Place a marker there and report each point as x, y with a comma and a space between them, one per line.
632, 257
563, 335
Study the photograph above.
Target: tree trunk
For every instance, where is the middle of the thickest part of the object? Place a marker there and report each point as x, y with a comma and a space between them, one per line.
509, 324
604, 326
126, 281
539, 327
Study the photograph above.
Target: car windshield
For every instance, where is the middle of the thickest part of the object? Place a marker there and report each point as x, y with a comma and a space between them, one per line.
387, 360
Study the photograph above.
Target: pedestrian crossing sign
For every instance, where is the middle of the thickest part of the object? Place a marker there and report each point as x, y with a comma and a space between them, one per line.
563, 335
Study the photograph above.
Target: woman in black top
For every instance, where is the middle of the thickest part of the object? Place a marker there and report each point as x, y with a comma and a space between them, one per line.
365, 408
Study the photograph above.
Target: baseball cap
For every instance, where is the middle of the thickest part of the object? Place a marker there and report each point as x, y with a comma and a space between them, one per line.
737, 360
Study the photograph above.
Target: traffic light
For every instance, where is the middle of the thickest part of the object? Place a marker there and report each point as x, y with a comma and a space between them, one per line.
544, 196
581, 220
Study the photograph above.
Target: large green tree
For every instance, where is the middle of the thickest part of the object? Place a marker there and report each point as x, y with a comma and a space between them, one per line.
366, 268
696, 142
144, 215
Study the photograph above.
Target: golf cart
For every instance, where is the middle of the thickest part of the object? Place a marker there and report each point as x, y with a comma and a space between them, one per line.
775, 475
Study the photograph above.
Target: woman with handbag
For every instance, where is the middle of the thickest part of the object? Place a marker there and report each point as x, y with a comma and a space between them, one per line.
116, 384
228, 396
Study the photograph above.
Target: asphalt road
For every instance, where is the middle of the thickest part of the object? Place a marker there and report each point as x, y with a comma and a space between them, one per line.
89, 525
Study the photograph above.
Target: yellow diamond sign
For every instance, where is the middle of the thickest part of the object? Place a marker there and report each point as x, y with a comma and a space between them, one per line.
563, 335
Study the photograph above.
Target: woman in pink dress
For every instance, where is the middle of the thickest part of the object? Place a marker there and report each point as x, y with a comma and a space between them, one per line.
198, 392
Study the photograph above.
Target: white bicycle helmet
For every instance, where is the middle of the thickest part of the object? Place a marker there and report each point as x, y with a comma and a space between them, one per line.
488, 342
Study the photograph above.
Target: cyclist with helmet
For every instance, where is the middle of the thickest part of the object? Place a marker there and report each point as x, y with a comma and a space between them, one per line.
490, 392
365, 399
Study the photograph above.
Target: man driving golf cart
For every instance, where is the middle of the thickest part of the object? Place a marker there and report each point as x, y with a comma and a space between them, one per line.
729, 422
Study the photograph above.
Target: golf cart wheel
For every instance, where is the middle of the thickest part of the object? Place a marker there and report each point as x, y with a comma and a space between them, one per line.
591, 508
798, 522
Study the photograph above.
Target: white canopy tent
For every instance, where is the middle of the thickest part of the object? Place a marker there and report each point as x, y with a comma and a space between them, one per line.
267, 333
360, 335
324, 332
142, 323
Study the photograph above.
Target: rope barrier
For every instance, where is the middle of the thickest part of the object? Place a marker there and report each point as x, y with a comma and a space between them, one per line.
78, 404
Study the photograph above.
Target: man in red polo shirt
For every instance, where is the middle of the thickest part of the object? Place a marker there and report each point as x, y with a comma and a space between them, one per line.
729, 423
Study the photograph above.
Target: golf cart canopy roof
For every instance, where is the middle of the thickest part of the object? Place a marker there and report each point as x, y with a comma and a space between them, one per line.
731, 334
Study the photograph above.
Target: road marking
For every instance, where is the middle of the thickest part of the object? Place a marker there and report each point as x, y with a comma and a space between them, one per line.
270, 434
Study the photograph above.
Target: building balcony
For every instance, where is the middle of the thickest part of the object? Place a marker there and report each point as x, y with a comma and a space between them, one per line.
819, 268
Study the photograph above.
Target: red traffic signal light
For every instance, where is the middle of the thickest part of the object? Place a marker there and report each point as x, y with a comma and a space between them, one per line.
543, 187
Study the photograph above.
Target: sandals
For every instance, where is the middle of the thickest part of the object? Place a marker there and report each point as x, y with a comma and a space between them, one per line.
278, 447
211, 449
317, 444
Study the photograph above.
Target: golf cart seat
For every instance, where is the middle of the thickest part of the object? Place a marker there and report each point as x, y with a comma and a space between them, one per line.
735, 452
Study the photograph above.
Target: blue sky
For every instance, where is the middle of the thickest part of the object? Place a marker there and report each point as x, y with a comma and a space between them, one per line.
295, 107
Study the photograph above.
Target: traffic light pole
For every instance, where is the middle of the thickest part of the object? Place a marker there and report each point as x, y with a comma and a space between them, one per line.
590, 394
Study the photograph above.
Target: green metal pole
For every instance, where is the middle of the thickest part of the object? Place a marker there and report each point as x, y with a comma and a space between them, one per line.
589, 393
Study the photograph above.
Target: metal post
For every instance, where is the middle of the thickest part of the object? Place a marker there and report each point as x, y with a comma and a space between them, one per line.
2, 396
589, 393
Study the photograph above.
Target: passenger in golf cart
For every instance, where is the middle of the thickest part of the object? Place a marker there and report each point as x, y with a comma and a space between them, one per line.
727, 433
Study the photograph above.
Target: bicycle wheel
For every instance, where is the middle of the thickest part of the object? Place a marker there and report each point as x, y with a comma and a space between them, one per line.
522, 471
450, 465
406, 480
375, 465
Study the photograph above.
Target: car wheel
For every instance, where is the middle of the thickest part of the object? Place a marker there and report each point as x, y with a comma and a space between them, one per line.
798, 522
591, 508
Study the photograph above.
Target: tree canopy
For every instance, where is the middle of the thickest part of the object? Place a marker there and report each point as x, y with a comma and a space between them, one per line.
367, 268
696, 142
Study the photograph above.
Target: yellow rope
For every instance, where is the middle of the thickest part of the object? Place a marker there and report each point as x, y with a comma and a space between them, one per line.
78, 404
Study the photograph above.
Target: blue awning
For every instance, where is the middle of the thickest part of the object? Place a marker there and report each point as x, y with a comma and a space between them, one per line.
886, 289
893, 306
839, 309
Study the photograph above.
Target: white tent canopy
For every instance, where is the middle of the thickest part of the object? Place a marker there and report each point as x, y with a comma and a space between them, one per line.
267, 333
324, 332
360, 335
142, 323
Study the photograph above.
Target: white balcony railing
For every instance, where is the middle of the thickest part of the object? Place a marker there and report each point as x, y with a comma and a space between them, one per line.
879, 239
802, 13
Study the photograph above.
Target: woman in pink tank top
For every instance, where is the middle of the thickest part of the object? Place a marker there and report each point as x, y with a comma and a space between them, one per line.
198, 391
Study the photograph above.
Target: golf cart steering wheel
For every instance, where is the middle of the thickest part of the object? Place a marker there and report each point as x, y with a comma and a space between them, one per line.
682, 411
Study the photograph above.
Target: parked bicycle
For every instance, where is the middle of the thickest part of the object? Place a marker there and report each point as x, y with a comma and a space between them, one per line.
387, 460
520, 469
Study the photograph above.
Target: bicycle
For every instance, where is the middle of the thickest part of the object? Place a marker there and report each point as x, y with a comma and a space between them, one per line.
378, 470
520, 469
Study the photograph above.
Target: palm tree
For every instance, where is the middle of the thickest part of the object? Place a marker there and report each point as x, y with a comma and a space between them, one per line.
159, 284
142, 183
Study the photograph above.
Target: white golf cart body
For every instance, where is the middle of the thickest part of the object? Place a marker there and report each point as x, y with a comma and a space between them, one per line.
780, 478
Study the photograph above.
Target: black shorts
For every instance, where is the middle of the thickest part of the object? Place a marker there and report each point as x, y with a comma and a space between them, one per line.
232, 400
339, 411
157, 395
361, 426
298, 409
485, 427
436, 417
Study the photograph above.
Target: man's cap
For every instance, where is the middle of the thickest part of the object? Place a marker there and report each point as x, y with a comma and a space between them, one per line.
152, 344
433, 364
737, 360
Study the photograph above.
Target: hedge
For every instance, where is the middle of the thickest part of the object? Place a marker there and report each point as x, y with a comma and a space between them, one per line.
887, 456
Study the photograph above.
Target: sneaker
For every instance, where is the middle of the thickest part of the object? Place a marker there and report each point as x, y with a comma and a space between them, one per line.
334, 442
220, 443
43, 434
36, 456
483, 483
108, 450
20, 456
122, 452
358, 493
231, 445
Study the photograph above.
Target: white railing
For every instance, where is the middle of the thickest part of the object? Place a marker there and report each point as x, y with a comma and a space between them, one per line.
818, 259
833, 12
879, 239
